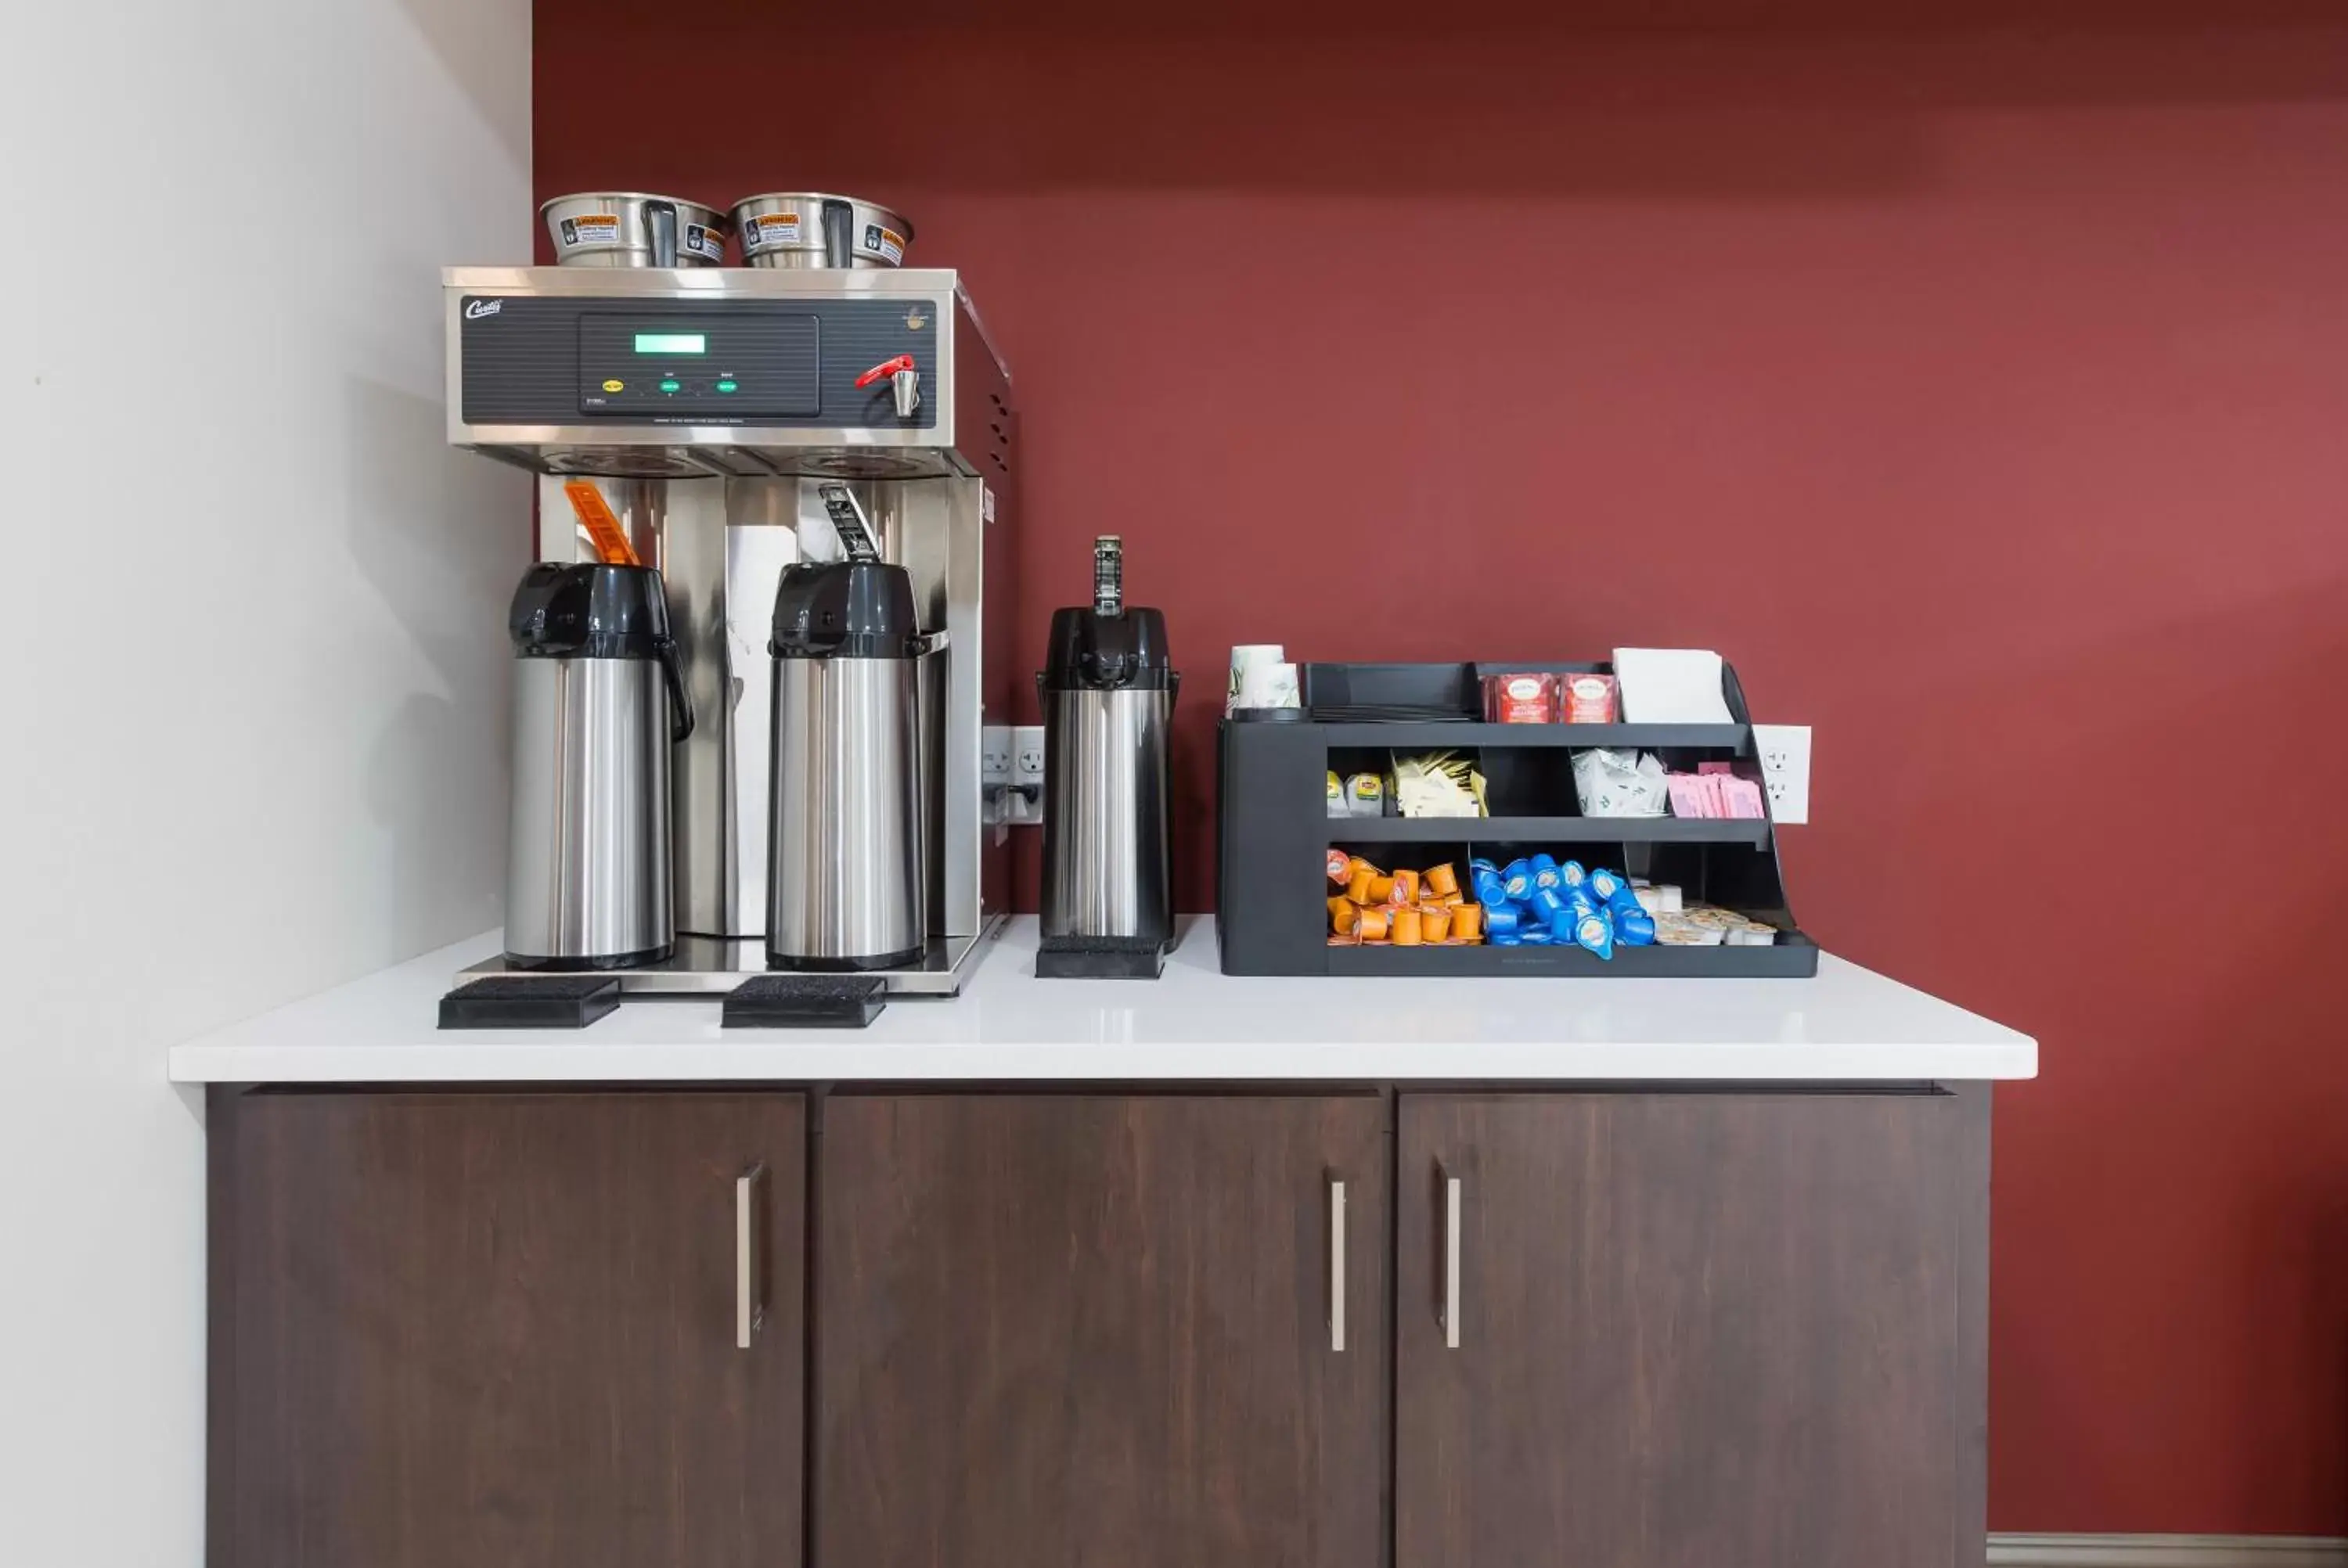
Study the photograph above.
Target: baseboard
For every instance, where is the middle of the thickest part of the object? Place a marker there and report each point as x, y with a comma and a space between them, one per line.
2167, 1551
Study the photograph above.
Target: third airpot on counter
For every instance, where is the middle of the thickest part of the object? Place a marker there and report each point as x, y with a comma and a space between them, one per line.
1108, 693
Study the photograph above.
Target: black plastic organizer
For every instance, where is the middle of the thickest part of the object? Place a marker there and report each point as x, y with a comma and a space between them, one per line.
1272, 829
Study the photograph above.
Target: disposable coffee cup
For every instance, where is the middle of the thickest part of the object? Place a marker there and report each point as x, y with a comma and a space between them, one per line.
1267, 686
1246, 657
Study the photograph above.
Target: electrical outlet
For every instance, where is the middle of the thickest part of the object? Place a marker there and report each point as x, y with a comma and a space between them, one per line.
1027, 756
993, 754
1786, 769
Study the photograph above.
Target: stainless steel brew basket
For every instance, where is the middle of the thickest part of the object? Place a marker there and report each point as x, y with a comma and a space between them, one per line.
630, 229
809, 228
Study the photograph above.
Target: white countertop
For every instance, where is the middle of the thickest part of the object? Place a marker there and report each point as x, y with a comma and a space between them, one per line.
1847, 1024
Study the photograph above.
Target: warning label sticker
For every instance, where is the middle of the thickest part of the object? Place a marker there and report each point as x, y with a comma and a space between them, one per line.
885, 243
775, 228
705, 242
591, 228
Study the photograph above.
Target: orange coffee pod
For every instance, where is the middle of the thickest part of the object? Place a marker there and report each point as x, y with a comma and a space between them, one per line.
1406, 928
1341, 913
1358, 888
1370, 924
1434, 923
1442, 880
1341, 866
1468, 922
1405, 887
1382, 890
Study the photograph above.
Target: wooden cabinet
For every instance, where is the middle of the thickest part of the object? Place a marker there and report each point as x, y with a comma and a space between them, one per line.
500, 1330
1691, 1328
1058, 1330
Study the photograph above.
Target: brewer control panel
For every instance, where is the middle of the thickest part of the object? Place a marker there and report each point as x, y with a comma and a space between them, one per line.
713, 367
570, 360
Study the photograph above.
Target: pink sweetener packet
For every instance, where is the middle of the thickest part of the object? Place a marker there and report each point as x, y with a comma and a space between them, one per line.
1687, 794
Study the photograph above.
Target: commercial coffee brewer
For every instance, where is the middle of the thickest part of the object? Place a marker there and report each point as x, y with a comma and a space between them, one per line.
730, 417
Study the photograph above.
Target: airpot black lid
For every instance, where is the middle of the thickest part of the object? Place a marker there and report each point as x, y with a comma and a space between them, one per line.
1089, 651
587, 610
844, 610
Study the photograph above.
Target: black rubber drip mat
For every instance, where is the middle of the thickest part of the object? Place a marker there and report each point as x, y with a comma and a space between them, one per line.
1100, 959
506, 1001
804, 1001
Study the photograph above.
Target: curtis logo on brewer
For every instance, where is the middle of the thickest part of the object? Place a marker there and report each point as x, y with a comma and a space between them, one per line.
476, 309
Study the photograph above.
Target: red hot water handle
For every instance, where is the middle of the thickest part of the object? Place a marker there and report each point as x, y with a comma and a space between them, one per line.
885, 369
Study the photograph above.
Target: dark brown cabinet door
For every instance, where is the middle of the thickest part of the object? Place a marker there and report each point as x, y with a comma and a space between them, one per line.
500, 1330
1692, 1330
1072, 1331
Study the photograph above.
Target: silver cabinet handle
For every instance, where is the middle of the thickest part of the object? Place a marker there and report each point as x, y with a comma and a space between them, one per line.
749, 1312
1337, 1267
1451, 1263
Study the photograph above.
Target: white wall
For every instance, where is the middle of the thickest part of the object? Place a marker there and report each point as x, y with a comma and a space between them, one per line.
252, 727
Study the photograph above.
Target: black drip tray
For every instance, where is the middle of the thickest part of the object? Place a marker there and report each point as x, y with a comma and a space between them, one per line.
804, 1001
1100, 959
553, 1001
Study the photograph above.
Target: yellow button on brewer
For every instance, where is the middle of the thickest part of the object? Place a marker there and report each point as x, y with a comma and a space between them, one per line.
615, 386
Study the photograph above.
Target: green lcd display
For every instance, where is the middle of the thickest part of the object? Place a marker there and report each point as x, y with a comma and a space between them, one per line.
671, 343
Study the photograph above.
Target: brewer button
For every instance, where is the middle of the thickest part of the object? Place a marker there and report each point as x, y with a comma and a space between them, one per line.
672, 385
728, 384
615, 386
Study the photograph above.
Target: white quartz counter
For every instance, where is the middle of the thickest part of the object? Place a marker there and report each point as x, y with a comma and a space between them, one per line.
1195, 1023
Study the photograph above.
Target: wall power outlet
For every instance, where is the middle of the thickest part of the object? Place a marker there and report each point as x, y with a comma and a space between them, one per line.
993, 754
1786, 769
1027, 756
1011, 775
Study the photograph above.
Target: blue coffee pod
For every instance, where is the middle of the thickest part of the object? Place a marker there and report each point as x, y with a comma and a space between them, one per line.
1477, 864
1489, 890
1579, 900
1547, 877
1544, 861
1500, 918
1624, 902
1535, 936
1635, 927
1504, 938
1517, 881
1547, 903
1604, 883
1595, 932
1572, 874
1561, 928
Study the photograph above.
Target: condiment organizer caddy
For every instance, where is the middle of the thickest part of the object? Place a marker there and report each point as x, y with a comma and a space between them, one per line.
1273, 830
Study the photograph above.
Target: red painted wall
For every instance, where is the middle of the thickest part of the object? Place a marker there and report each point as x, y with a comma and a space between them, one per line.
1980, 388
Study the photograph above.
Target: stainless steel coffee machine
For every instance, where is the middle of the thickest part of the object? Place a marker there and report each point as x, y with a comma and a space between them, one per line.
711, 407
